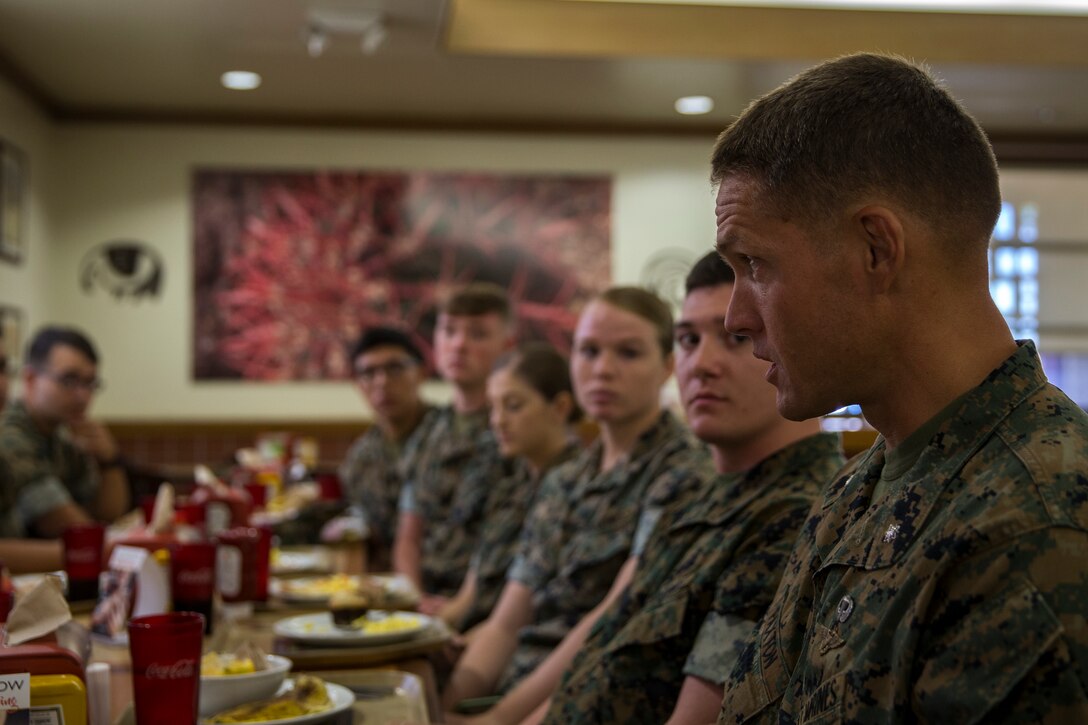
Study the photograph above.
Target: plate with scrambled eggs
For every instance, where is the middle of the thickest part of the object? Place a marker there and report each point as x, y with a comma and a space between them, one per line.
398, 589
303, 699
374, 627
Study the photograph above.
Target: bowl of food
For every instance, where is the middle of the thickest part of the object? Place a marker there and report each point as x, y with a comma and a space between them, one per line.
227, 680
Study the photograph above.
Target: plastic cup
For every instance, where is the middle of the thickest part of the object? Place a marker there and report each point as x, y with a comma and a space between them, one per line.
165, 650
263, 552
192, 579
83, 559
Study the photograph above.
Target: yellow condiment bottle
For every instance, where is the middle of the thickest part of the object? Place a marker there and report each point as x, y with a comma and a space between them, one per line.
65, 692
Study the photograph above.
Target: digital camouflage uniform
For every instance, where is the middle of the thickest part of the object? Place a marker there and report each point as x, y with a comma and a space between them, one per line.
371, 476
45, 471
582, 527
959, 595
449, 473
705, 577
507, 505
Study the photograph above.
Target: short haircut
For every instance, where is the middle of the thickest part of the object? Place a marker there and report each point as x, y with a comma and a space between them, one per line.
867, 124
648, 306
479, 298
47, 338
544, 369
385, 336
710, 271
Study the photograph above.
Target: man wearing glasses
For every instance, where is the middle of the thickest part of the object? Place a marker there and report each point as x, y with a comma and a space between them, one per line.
62, 468
389, 370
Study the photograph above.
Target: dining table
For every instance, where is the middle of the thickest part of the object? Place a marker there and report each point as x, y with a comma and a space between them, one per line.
363, 668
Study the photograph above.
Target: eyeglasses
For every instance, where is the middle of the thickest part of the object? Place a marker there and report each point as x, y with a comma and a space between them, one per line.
392, 369
72, 382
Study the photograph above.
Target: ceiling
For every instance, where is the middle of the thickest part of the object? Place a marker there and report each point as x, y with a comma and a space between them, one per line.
540, 65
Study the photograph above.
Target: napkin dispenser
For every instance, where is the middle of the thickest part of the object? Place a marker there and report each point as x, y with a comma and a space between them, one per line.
46, 679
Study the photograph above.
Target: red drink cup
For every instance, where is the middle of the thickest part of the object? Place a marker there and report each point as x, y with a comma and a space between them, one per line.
192, 579
258, 494
263, 553
147, 505
236, 564
83, 559
7, 601
165, 650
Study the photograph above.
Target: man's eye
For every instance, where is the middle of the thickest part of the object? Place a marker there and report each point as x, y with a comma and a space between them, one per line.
687, 340
735, 341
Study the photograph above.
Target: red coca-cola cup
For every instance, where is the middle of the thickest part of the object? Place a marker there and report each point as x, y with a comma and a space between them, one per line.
192, 579
258, 494
83, 559
165, 651
7, 601
263, 554
236, 564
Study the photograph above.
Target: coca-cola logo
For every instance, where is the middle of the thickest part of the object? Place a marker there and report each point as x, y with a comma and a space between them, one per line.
180, 670
195, 577
82, 556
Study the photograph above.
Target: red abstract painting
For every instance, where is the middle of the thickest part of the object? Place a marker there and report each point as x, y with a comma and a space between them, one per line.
290, 267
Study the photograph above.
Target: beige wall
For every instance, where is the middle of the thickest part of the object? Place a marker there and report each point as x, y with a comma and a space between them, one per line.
24, 285
127, 182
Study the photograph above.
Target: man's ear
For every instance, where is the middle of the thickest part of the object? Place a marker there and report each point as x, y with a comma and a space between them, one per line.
884, 237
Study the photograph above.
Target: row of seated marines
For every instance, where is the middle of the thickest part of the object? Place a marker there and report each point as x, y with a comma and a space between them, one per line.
736, 567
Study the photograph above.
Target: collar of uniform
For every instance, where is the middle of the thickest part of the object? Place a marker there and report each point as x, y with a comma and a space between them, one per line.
875, 534
733, 492
464, 432
659, 439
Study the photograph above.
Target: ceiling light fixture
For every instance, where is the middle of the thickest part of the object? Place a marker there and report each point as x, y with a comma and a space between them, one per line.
694, 105
369, 26
316, 40
240, 80
1014, 7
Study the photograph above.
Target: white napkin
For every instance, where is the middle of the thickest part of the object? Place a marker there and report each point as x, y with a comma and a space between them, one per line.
41, 611
162, 515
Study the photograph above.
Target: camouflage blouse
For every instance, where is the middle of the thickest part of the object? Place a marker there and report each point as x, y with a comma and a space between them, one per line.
959, 595
448, 475
44, 471
705, 578
371, 476
507, 505
584, 523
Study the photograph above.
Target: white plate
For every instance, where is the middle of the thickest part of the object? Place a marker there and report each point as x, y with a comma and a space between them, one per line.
397, 585
342, 698
297, 562
318, 629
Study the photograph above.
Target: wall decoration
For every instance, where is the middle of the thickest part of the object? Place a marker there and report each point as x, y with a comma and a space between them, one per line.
290, 267
123, 268
13, 332
13, 191
665, 272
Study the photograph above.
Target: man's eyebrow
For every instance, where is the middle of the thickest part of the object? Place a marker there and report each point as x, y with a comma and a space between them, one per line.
686, 324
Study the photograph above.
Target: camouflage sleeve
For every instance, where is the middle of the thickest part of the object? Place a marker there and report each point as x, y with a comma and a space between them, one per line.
1007, 641
39, 498
721, 639
534, 563
349, 471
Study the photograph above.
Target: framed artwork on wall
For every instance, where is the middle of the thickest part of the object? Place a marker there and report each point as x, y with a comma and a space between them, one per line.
13, 191
12, 331
290, 266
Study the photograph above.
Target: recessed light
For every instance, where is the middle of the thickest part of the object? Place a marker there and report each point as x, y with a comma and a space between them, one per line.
240, 80
694, 105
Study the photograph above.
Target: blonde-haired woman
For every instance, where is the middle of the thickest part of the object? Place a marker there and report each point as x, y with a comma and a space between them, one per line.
583, 534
